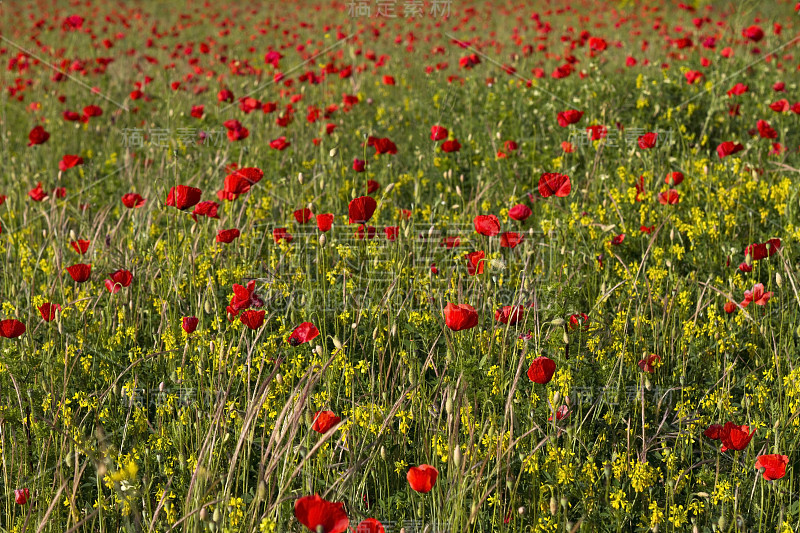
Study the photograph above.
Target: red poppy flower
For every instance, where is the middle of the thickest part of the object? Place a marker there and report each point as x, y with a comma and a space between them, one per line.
561, 412
253, 319
648, 364
511, 146
359, 165
460, 317
647, 229
238, 134
450, 242
243, 297
475, 262
280, 143
69, 161
753, 33
21, 496
303, 333
303, 215
132, 200
71, 116
372, 186
80, 246
648, 140
321, 515
324, 421
780, 106
510, 239
382, 145
11, 328
227, 235
422, 478
92, 111
571, 116
509, 314
280, 234
692, 76
37, 194
738, 89
368, 231
520, 212
361, 209
189, 324
729, 307
541, 370
48, 311
552, 183
239, 182
756, 296
197, 111
438, 133
774, 465
37, 135
488, 225
674, 178
713, 432
80, 272
370, 525
391, 232
451, 146
617, 240
183, 197
765, 131
670, 197
728, 148
758, 251
735, 437
597, 132
324, 221
205, 209
60, 192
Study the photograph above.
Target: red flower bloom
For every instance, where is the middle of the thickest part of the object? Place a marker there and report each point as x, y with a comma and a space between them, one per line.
239, 182
382, 145
132, 200
303, 215
780, 106
21, 496
361, 209
450, 242
205, 209
648, 140
713, 432
11, 328
510, 239
774, 466
69, 161
37, 135
183, 197
197, 111
552, 183
571, 116
227, 235
460, 317
324, 421
674, 178
280, 143
80, 246
438, 133
648, 364
728, 148
475, 262
451, 146
253, 319
324, 221
758, 251
541, 370
303, 333
735, 437
362, 230
765, 131
520, 212
280, 234
617, 240
189, 324
321, 515
753, 33
670, 197
80, 272
509, 314
487, 225
48, 311
391, 232
729, 307
370, 525
121, 276
372, 186
359, 165
92, 111
422, 478
37, 194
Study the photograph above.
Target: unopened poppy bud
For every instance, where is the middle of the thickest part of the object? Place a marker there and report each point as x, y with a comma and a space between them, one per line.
748, 260
279, 379
389, 188
300, 178
458, 190
334, 151
566, 338
457, 457
318, 350
558, 322
337, 343
383, 453
161, 387
647, 384
722, 522
203, 514
448, 405
394, 330
309, 419
521, 511
556, 397
322, 240
375, 333
778, 279
72, 234
553, 505
216, 516
353, 325
320, 528
563, 502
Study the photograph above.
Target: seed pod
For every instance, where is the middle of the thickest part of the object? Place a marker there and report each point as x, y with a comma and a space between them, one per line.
448, 405
217, 516
553, 505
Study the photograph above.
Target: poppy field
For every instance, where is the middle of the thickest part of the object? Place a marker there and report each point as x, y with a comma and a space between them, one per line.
400, 266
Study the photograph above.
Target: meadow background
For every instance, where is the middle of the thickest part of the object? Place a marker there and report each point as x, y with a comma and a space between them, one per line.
640, 279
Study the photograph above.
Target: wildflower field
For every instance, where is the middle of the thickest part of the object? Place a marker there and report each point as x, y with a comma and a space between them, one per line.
399, 266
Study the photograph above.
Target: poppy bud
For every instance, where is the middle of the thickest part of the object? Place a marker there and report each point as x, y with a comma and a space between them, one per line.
300, 178
448, 405
337, 343
722, 523
389, 188
457, 457
647, 384
553, 505
383, 453
217, 516
262, 490
204, 514
394, 330
566, 338
318, 350
322, 240
279, 379
161, 387
334, 151
563, 502
778, 279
